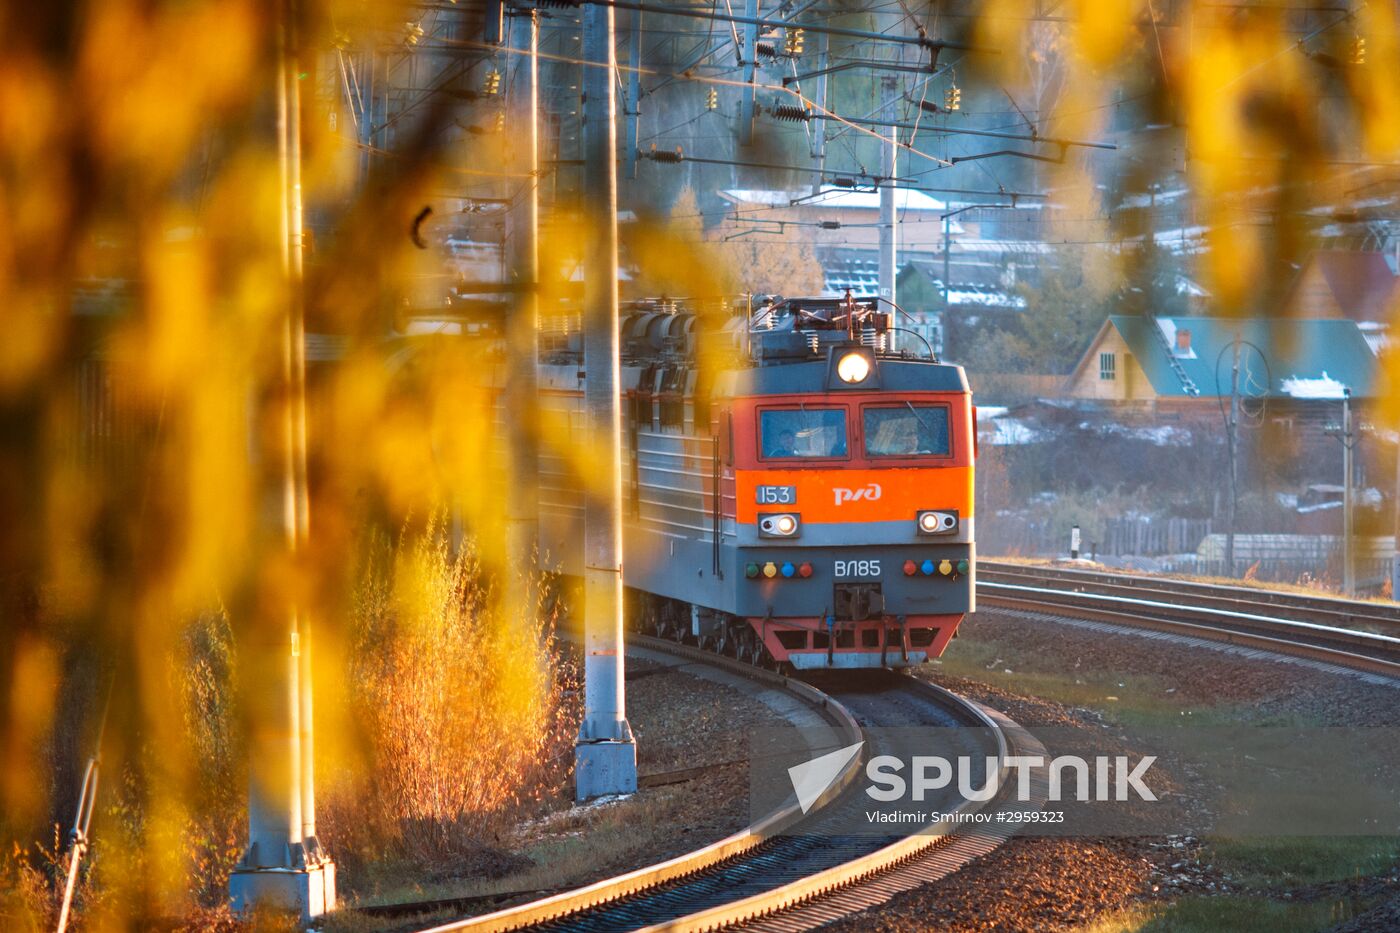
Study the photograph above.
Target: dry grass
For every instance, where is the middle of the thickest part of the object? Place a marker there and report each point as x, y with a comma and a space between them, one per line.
467, 720
468, 717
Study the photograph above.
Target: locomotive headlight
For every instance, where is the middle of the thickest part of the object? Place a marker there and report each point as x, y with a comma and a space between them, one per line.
853, 367
781, 525
936, 522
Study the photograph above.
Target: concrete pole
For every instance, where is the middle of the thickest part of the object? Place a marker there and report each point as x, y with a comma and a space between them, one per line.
274, 798
1232, 443
521, 397
296, 254
1395, 558
1348, 543
818, 148
947, 227
605, 754
889, 233
283, 866
748, 102
634, 94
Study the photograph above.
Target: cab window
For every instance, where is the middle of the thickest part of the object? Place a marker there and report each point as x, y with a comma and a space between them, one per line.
907, 431
802, 433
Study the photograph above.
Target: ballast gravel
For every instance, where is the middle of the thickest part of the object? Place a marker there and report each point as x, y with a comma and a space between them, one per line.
1050, 884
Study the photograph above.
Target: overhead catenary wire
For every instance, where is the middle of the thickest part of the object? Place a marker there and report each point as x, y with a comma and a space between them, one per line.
845, 180
801, 98
921, 41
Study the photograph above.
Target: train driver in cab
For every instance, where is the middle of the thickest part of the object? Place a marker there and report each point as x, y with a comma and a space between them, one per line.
785, 446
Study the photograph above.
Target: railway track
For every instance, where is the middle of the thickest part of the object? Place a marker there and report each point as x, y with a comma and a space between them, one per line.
785, 873
1281, 623
789, 871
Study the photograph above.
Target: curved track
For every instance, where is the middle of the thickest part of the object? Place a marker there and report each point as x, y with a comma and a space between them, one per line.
787, 873
791, 872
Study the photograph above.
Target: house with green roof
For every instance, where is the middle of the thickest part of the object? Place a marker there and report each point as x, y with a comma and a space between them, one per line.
1178, 362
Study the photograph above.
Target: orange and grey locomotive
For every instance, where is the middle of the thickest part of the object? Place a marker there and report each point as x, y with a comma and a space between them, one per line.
807, 502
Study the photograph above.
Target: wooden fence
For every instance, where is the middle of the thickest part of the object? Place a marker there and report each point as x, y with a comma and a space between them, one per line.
1113, 537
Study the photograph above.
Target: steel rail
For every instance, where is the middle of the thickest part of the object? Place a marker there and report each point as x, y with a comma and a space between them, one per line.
1334, 610
607, 890
863, 881
1362, 651
900, 866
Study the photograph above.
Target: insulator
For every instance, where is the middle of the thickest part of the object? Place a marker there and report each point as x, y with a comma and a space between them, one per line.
791, 113
1358, 51
867, 336
766, 50
712, 99
814, 341
412, 33
952, 98
793, 41
843, 181
670, 156
500, 121
492, 85
830, 225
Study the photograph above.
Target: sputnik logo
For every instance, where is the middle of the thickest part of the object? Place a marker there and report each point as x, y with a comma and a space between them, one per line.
870, 492
812, 778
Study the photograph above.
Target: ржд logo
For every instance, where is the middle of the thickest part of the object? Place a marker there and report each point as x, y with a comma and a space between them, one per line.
870, 492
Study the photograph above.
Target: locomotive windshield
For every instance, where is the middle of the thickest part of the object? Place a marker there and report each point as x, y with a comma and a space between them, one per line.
811, 432
906, 431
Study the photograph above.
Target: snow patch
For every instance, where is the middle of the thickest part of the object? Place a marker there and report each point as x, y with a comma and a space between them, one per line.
1323, 386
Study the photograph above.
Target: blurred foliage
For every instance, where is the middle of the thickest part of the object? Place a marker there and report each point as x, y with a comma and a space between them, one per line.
1061, 315
141, 399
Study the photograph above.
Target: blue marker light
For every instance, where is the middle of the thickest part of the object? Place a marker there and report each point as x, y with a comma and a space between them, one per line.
789, 569
927, 568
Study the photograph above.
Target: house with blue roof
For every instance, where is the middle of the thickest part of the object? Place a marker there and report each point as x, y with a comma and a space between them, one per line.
1177, 362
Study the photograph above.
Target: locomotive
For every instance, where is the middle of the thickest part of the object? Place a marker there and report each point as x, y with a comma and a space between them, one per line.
806, 502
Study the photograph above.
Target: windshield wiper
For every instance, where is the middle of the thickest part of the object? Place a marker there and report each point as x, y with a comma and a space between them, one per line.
933, 433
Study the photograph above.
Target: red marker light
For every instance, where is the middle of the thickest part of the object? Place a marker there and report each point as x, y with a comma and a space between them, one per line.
805, 570
910, 568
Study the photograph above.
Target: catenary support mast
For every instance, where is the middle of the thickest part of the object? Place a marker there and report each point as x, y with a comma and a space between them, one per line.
605, 754
889, 232
522, 327
283, 866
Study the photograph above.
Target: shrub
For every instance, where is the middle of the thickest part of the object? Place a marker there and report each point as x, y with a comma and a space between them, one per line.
466, 715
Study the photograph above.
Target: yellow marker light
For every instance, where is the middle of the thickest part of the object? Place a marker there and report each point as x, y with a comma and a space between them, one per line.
770, 570
945, 568
853, 367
